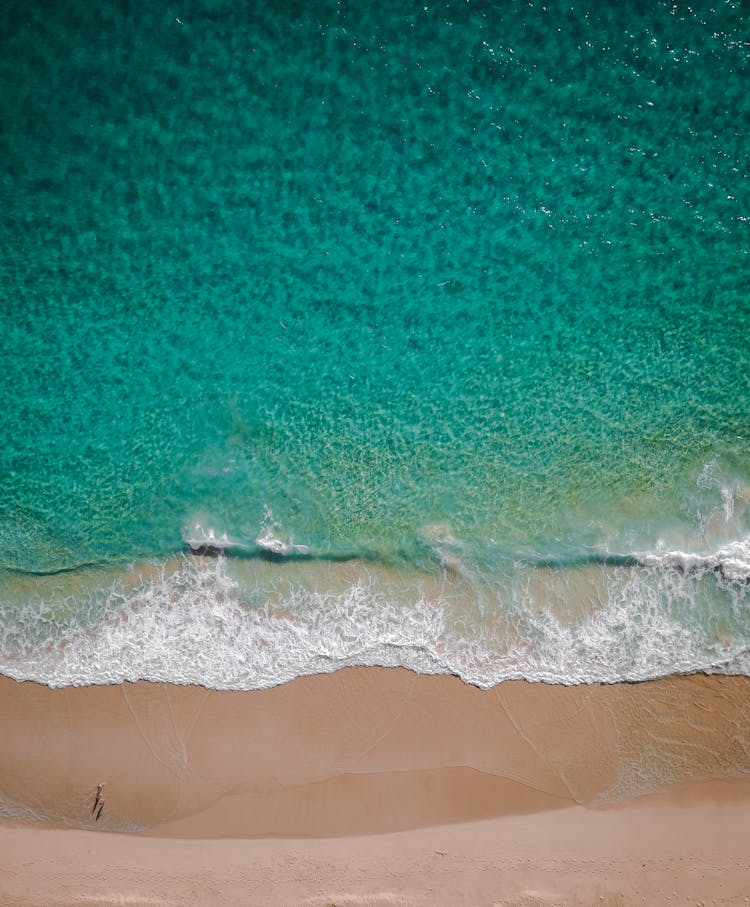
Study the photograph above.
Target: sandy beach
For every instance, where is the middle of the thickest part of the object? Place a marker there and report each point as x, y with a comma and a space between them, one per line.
376, 787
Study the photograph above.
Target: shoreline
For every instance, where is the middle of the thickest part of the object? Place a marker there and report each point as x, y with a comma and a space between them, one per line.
362, 775
251, 625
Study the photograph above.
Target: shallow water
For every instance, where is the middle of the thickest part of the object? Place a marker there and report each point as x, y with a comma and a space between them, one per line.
441, 302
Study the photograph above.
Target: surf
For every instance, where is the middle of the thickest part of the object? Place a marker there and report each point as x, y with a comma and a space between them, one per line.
250, 623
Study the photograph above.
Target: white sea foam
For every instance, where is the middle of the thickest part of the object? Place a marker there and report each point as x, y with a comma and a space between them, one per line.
268, 538
195, 624
731, 560
269, 542
189, 626
206, 538
199, 538
727, 502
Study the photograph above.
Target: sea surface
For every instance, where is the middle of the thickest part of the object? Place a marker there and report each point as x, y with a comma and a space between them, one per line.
374, 333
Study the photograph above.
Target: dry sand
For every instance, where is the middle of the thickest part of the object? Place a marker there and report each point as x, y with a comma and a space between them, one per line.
379, 787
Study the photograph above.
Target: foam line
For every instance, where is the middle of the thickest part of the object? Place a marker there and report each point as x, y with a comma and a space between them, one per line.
193, 623
731, 561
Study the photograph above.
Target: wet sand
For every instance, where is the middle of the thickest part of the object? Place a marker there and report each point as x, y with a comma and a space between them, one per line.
375, 786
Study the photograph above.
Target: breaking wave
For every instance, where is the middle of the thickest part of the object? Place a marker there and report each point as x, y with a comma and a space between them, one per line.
198, 620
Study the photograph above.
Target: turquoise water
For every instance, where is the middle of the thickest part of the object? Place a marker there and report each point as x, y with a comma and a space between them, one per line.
445, 303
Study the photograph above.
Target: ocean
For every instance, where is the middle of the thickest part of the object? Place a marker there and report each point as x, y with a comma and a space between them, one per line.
341, 333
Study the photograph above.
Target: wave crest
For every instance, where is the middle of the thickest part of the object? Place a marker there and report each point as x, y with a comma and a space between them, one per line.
192, 621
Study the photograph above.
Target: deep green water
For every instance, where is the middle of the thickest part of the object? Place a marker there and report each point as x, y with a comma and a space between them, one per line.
386, 279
